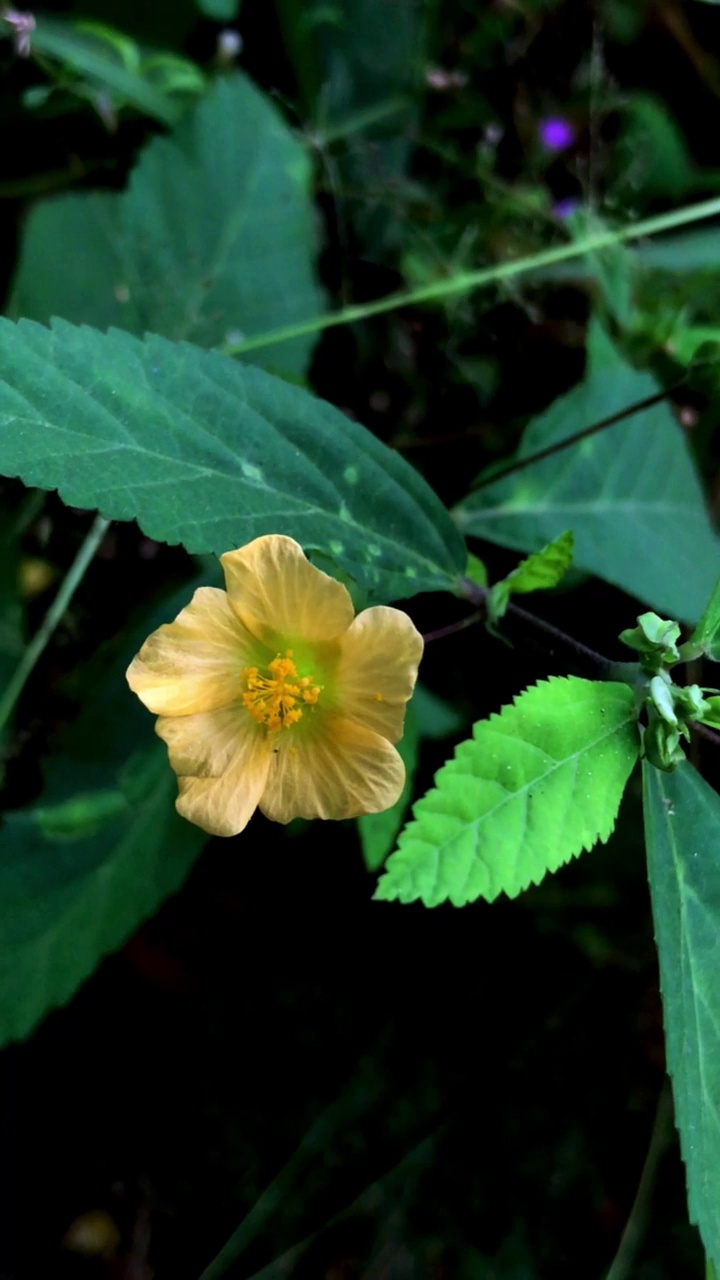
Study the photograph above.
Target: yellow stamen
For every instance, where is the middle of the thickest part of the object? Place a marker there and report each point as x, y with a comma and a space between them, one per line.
275, 700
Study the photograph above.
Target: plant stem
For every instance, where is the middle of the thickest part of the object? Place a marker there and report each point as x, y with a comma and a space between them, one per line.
663, 1132
467, 281
529, 621
519, 464
66, 591
453, 627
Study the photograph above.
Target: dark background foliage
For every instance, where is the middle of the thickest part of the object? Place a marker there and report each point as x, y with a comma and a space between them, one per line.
426, 1094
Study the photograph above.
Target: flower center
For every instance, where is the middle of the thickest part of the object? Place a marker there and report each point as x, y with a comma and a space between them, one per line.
276, 699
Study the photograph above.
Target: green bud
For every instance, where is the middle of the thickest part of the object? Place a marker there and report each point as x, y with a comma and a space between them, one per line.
661, 694
690, 703
661, 743
656, 638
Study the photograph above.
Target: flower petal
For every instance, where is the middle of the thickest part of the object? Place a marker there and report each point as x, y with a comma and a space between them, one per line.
222, 759
193, 664
379, 656
278, 595
341, 772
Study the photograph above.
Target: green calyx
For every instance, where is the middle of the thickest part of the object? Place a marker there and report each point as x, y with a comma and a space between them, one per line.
669, 708
655, 639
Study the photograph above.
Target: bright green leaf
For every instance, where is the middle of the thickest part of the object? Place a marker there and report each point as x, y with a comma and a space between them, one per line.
213, 241
202, 450
682, 820
630, 494
538, 572
475, 570
378, 830
687, 342
534, 786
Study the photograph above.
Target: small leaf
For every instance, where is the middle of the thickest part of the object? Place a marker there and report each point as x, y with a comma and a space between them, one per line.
205, 451
682, 820
534, 786
378, 830
475, 570
538, 572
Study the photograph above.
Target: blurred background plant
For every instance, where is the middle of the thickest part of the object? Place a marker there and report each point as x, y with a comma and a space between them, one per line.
368, 1090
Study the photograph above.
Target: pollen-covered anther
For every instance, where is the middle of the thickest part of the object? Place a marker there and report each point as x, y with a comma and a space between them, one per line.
272, 699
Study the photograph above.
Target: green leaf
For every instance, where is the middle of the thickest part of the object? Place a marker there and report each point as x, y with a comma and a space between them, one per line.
378, 830
630, 494
213, 240
202, 450
436, 718
76, 879
475, 570
690, 343
81, 869
538, 572
534, 786
219, 10
652, 152
682, 820
707, 632
427, 717
94, 59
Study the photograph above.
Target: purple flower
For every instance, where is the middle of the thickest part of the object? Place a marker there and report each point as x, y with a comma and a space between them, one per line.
556, 134
565, 208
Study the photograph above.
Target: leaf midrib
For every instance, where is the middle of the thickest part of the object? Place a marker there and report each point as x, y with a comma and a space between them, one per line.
510, 796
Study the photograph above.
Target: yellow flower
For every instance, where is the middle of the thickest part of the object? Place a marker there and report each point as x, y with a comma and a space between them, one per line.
272, 694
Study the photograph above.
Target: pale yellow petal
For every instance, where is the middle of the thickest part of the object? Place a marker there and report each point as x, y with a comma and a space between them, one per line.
340, 772
222, 759
278, 594
379, 656
194, 663
206, 744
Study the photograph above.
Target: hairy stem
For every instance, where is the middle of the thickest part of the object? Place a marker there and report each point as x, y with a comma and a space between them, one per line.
468, 281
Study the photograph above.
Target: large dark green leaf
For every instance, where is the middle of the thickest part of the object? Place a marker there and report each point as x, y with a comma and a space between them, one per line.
630, 494
682, 828
97, 854
207, 452
76, 878
213, 240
